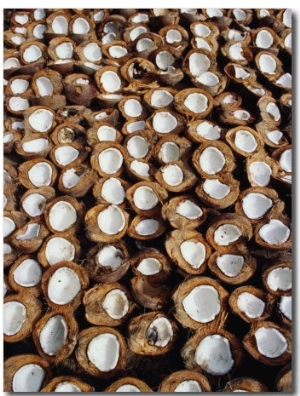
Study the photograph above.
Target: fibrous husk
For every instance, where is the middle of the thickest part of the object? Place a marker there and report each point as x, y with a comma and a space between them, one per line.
130, 382
173, 381
63, 382
245, 384
145, 228
149, 295
273, 276
77, 181
265, 233
30, 236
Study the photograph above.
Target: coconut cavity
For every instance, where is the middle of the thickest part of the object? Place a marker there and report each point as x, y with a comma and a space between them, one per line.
251, 305
208, 131
267, 64
110, 81
32, 54
128, 388
111, 220
53, 335
256, 205
274, 232
202, 304
115, 304
260, 173
215, 189
198, 64
230, 264
64, 155
264, 39
14, 316
188, 386
137, 147
92, 52
285, 306
149, 266
212, 160
106, 133
172, 175
173, 36
59, 249
28, 273
109, 256
245, 141
164, 60
110, 160
270, 342
147, 227
145, 198
16, 103
140, 168
62, 216
28, 378
193, 253
280, 279
133, 108
169, 151
80, 26
67, 387
285, 160
19, 86
213, 355
189, 210
31, 231
226, 234
162, 328
41, 120
63, 286
164, 122
117, 51
236, 52
60, 25
196, 102
70, 178
8, 226
104, 351
113, 191
161, 98
64, 51
35, 145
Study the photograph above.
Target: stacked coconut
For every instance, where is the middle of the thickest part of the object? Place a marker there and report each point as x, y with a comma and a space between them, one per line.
147, 183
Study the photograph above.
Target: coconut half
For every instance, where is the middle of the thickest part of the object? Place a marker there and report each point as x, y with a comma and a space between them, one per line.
104, 351
28, 273
128, 388
137, 147
230, 264
169, 151
251, 305
14, 314
274, 232
280, 279
267, 64
208, 131
145, 198
64, 155
215, 189
196, 102
31, 231
270, 342
172, 175
202, 304
35, 145
60, 25
285, 160
212, 160
193, 253
117, 51
32, 54
285, 306
16, 103
161, 98
110, 81
92, 52
63, 286
109, 256
173, 36
245, 141
62, 216
70, 178
260, 173
149, 266
41, 120
115, 304
8, 226
226, 234
189, 210
28, 378
67, 387
59, 249
111, 220
264, 39
40, 174
163, 329
19, 86
198, 64
110, 160
256, 205
54, 335
113, 191
188, 386
147, 227
106, 133
140, 168
133, 108
164, 122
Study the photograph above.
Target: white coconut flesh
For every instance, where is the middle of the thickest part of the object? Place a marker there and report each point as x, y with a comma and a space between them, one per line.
164, 122
164, 60
229, 99
32, 54
145, 198
4, 201
11, 63
70, 178
21, 30
189, 210
6, 248
212, 160
241, 73
22, 19
227, 234
280, 279
274, 232
63, 286
169, 152
113, 191
285, 160
245, 141
137, 147
28, 273
41, 120
18, 125
98, 16
288, 41
136, 32
188, 386
62, 216
117, 51
256, 205
209, 79
242, 115
196, 102
40, 174
39, 14
273, 110
198, 64
67, 387
35, 145
136, 126
274, 136
201, 43
109, 256
19, 86
214, 12
92, 65
264, 39
208, 130
38, 31
213, 355
28, 378
267, 64
163, 330
60, 25
66, 154
14, 314
8, 226
140, 168
230, 264
110, 81
111, 220
92, 52
172, 175
260, 173
140, 17
193, 253
53, 335
44, 86
145, 44
128, 388
173, 36
285, 306
161, 98
263, 13
115, 304
239, 14
112, 96
109, 38
104, 351
61, 61
202, 30
215, 189
81, 81
64, 50
147, 227
202, 304
149, 266
16, 103
110, 160
59, 249
285, 80
287, 17
236, 52
133, 108
81, 26
31, 231
252, 306
270, 342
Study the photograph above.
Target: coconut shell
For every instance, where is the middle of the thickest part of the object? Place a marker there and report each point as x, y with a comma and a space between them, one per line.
171, 382
141, 385
25, 167
245, 384
150, 295
55, 382
279, 263
87, 178
30, 243
132, 231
